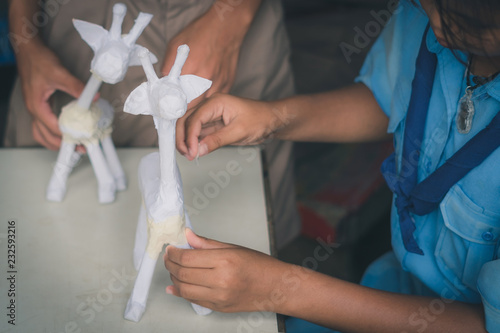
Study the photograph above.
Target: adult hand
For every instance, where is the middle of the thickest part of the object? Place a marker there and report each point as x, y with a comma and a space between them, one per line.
215, 40
223, 277
214, 51
41, 74
226, 120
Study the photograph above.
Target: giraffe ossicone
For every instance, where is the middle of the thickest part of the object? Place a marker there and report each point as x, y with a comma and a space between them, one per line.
162, 217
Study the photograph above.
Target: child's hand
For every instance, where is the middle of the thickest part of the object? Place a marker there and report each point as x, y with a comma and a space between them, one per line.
222, 277
225, 120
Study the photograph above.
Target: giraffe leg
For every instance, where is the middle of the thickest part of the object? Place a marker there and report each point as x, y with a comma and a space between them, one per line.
75, 158
105, 181
188, 221
141, 238
201, 310
136, 304
64, 164
114, 163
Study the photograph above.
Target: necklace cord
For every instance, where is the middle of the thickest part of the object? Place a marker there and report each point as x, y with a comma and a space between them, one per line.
478, 80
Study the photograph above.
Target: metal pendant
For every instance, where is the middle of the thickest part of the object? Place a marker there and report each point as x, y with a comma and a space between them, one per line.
465, 112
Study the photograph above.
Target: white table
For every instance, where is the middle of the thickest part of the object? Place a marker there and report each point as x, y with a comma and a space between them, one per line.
73, 267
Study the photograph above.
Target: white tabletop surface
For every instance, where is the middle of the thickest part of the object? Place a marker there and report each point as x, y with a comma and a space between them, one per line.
73, 267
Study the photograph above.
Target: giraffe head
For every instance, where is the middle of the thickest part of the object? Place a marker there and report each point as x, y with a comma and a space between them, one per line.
114, 53
168, 97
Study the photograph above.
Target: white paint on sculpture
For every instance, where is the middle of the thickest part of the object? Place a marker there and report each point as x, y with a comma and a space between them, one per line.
162, 219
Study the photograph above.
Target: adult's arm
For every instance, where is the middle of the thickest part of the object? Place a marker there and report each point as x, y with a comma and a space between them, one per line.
40, 71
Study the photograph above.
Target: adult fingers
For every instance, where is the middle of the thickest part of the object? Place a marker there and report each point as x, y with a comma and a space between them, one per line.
43, 114
69, 84
44, 136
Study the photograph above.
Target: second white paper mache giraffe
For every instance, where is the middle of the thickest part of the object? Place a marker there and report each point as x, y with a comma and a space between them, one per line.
162, 218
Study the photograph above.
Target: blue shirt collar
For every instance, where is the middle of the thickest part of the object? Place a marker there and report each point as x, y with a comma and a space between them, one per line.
432, 42
434, 46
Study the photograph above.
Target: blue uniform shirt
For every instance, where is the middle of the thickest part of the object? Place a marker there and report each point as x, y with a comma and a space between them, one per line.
460, 240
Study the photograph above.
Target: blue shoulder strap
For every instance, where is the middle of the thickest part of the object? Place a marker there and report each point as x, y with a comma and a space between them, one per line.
416, 117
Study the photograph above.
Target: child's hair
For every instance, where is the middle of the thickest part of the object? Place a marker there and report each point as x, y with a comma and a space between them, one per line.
461, 19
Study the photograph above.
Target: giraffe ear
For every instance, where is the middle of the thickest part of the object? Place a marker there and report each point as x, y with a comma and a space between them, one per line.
91, 33
138, 101
194, 86
135, 59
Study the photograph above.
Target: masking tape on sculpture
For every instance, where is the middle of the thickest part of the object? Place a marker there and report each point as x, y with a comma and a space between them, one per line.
79, 126
170, 231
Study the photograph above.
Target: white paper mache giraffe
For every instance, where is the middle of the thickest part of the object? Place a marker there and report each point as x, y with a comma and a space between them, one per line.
162, 219
83, 122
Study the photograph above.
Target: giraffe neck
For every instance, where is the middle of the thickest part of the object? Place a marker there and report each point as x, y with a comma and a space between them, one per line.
88, 93
170, 184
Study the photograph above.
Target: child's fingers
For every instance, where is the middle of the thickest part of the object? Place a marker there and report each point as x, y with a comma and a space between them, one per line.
190, 291
227, 135
189, 258
199, 242
196, 276
172, 290
180, 134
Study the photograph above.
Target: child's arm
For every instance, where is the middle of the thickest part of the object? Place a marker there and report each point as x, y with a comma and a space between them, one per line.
345, 115
350, 114
230, 278
353, 308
